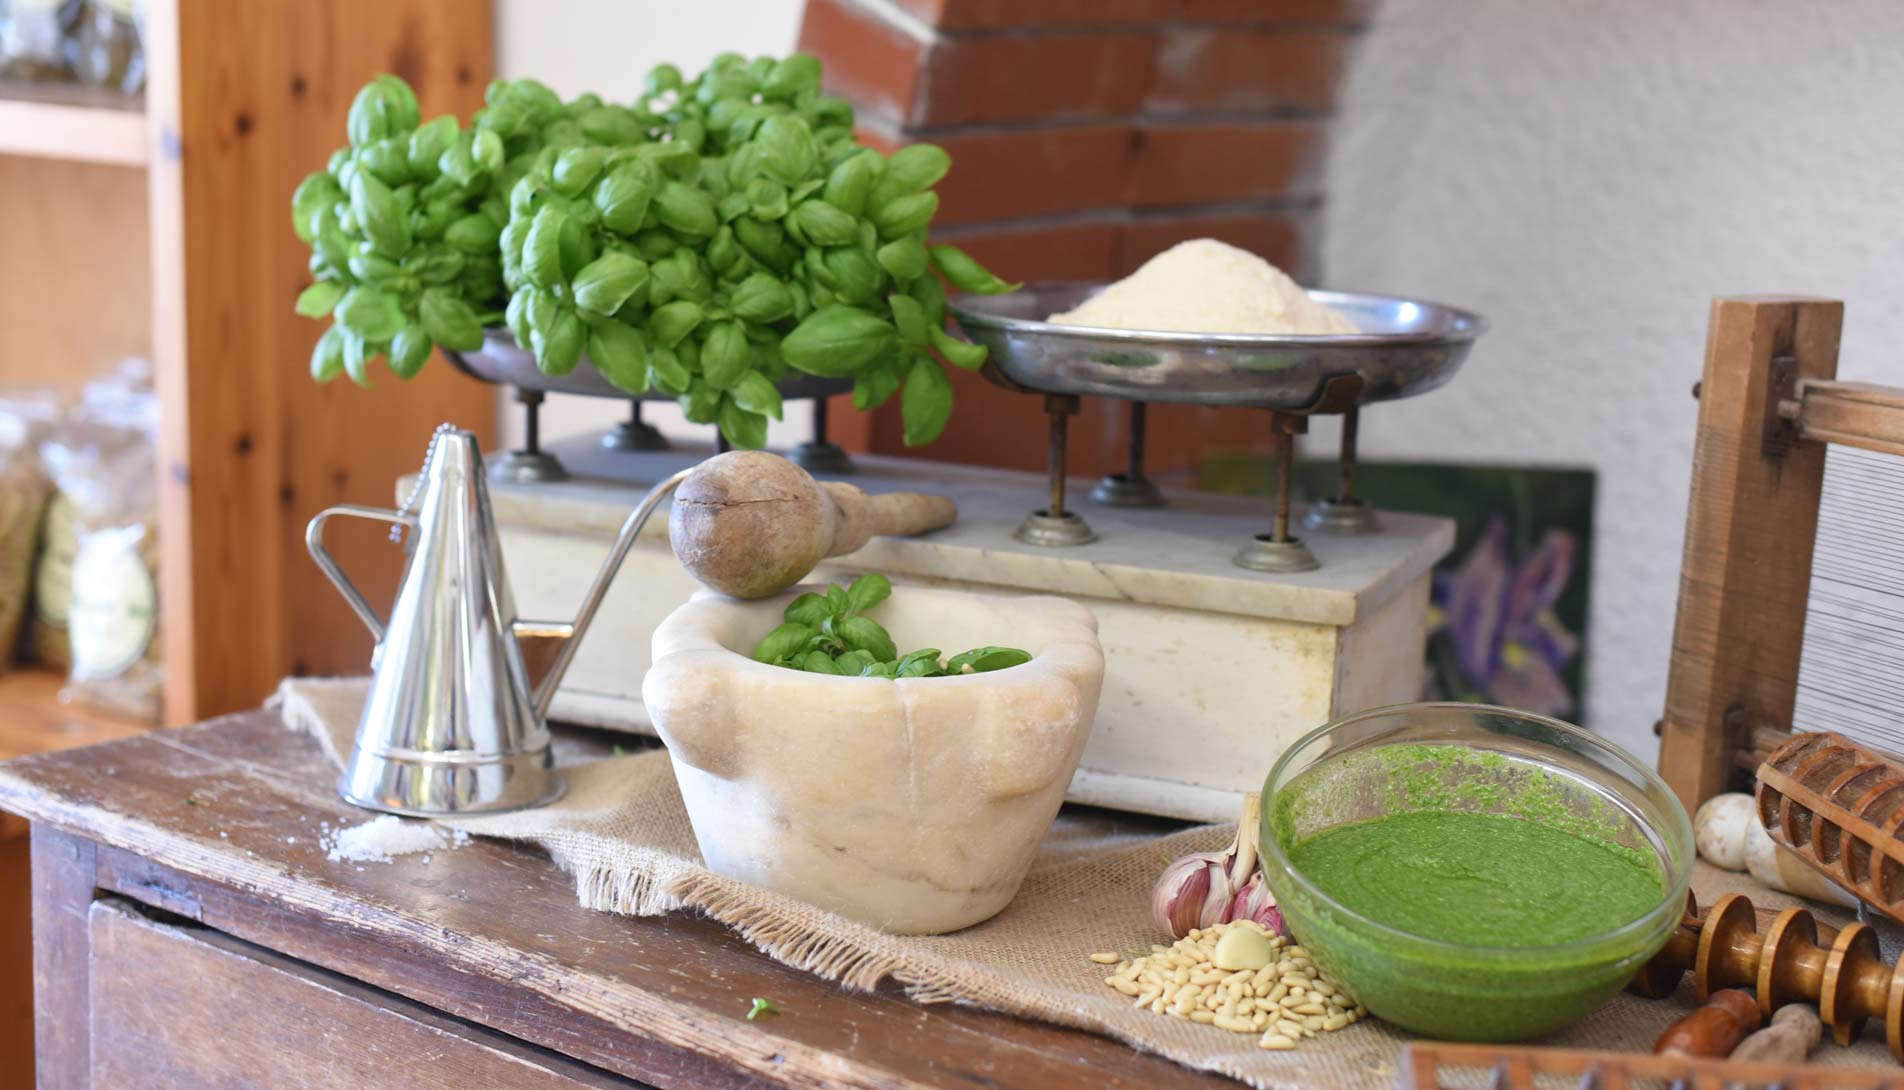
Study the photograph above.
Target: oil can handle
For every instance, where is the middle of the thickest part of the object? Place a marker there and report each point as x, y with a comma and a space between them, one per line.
314, 541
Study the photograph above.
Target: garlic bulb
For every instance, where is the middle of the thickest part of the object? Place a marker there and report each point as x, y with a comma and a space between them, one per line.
1204, 889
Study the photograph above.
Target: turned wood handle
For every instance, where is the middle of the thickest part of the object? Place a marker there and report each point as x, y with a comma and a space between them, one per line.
1714, 1029
861, 516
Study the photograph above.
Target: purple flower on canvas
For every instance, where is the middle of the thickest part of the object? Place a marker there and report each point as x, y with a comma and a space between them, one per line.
1509, 646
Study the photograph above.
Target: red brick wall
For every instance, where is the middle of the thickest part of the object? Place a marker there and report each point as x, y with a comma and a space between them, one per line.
1086, 135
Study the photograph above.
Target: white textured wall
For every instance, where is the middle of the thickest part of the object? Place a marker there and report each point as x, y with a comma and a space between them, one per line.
607, 46
1588, 173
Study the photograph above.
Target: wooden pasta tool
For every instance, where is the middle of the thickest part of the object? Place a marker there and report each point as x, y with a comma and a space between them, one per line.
1436, 1065
752, 524
1839, 806
1789, 959
1713, 1030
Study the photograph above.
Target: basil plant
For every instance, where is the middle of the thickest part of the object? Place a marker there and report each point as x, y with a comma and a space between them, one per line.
706, 241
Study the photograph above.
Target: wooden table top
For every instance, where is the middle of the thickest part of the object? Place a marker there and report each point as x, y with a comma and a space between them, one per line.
221, 823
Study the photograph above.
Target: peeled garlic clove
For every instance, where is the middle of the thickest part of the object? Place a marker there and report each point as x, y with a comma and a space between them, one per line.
1242, 948
1193, 891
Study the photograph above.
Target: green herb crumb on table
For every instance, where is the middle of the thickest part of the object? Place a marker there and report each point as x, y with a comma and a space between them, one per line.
828, 633
703, 241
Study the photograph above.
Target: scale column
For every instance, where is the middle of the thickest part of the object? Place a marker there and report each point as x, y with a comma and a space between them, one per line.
820, 454
1055, 526
1130, 488
531, 464
1344, 512
1277, 551
634, 433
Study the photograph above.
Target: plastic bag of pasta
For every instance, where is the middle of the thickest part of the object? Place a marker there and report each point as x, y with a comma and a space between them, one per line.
22, 502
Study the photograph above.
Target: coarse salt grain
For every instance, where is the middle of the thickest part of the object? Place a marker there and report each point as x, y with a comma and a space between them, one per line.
382, 839
1206, 286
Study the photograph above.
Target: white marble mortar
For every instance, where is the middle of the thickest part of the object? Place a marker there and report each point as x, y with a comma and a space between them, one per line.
912, 805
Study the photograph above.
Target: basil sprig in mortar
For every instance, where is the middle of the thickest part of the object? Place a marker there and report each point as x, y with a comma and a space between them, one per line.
829, 633
704, 241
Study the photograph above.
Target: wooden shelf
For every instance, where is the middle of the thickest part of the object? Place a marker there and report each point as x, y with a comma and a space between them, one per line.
33, 720
73, 123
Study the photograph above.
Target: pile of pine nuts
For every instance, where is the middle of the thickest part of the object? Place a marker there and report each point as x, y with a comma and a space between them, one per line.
1284, 1001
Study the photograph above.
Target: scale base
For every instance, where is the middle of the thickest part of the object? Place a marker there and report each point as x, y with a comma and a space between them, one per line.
1264, 554
631, 435
1040, 528
821, 458
528, 467
1335, 516
1119, 490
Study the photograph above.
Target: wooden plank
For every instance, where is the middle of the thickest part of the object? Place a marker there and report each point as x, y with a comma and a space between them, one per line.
220, 824
1750, 527
1856, 414
74, 294
246, 100
187, 1009
16, 963
62, 894
71, 123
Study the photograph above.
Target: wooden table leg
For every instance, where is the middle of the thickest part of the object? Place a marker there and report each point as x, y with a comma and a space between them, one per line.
62, 894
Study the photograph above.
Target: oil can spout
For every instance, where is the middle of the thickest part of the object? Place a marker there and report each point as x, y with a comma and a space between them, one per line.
548, 648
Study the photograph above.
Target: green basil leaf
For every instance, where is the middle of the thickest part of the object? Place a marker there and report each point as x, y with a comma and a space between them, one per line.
319, 299
872, 387
724, 355
388, 159
427, 145
449, 321
667, 371
902, 216
819, 662
378, 214
576, 169
409, 350
558, 344
327, 357
855, 662
612, 125
856, 277
754, 393
724, 253
674, 321
576, 243
921, 663
866, 634
794, 75
624, 194
761, 299
837, 341
745, 430
516, 316
473, 234
660, 78
674, 159
824, 225
765, 241
925, 401
702, 403
967, 274
686, 209
372, 315
789, 154
850, 183
903, 259
868, 591
808, 609
358, 355
984, 660
910, 318
317, 191
783, 642
439, 266
542, 249
766, 198
487, 152
961, 354
620, 355
916, 167
607, 282
374, 113
836, 598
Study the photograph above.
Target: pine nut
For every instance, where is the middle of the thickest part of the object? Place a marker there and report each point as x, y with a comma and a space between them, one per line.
1276, 1042
1202, 1016
1324, 987
1125, 986
1335, 1022
1278, 993
1234, 1025
1289, 1029
1145, 999
1312, 1007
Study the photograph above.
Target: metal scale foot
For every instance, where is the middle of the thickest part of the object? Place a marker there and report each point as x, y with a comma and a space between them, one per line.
634, 433
1344, 512
1130, 488
818, 454
1277, 551
531, 464
1054, 526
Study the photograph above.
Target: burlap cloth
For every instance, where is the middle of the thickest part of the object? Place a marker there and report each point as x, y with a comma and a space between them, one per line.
623, 834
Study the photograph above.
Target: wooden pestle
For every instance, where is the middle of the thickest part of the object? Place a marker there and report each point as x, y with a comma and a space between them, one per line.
1794, 1032
1714, 1029
751, 524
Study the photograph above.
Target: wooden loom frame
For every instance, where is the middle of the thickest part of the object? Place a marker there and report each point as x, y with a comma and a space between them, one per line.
1769, 405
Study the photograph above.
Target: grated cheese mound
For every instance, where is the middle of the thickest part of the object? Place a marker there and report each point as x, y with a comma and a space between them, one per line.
382, 839
1206, 286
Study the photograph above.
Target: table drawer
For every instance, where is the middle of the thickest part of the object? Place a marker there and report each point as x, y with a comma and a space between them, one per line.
177, 1007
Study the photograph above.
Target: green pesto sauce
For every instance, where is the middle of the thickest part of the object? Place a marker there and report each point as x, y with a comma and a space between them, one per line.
1480, 879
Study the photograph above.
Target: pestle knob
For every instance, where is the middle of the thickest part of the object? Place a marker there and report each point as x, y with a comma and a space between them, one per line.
751, 524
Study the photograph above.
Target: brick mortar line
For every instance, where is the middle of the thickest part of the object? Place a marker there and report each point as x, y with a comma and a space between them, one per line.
887, 126
1111, 216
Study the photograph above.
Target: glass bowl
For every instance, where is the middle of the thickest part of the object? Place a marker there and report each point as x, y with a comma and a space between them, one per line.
1476, 758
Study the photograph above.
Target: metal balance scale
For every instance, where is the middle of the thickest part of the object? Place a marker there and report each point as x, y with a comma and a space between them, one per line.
1226, 637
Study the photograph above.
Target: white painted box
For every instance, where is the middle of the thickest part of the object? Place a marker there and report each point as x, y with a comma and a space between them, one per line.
1211, 670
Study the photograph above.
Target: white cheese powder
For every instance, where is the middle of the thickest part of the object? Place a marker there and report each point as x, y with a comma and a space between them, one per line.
1206, 286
